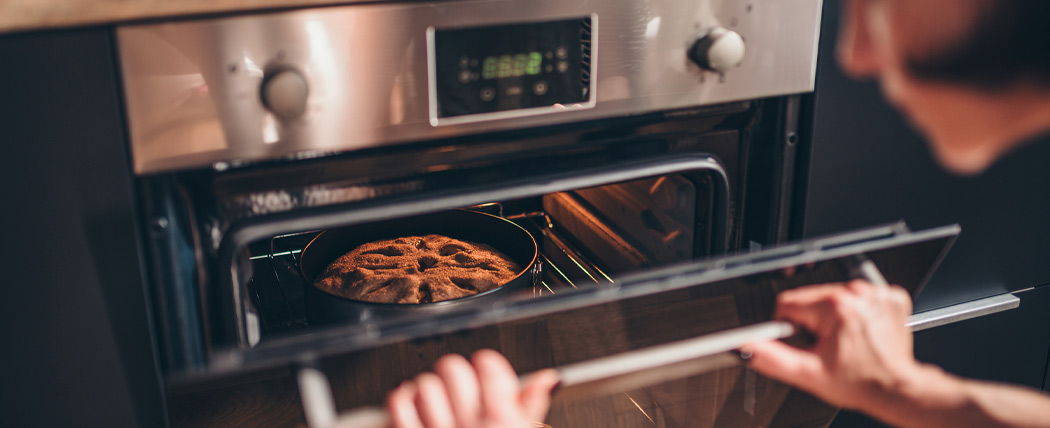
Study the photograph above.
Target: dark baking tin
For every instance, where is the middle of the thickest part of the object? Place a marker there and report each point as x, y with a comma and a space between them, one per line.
500, 233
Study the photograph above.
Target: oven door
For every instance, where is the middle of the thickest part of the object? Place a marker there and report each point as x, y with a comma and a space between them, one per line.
653, 349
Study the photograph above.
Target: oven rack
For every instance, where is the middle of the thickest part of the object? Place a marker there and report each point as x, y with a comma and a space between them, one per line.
276, 288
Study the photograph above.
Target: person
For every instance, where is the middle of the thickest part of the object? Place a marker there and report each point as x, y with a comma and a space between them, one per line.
973, 76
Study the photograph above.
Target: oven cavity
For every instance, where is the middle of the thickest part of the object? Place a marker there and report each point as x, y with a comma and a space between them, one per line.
585, 238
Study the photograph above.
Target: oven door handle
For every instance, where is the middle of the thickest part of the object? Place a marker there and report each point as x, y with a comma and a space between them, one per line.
621, 372
963, 311
642, 367
657, 364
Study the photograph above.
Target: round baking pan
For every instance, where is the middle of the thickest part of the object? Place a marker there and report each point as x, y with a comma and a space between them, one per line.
329, 245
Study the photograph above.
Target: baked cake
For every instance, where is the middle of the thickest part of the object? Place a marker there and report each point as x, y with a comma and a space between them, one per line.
417, 269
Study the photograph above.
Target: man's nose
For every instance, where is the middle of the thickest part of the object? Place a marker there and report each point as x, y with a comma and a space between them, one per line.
856, 52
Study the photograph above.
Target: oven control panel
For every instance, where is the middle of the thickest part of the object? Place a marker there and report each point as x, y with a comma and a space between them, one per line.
233, 90
506, 71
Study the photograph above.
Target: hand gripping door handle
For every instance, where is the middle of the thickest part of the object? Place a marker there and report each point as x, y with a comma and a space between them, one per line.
615, 373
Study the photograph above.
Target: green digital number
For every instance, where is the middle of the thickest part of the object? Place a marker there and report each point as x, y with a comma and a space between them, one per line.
499, 67
519, 64
488, 68
506, 62
535, 61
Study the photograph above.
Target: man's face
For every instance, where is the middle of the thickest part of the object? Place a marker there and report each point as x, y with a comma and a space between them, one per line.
880, 38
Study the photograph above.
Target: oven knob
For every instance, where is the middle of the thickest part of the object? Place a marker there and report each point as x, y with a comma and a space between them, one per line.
719, 50
284, 93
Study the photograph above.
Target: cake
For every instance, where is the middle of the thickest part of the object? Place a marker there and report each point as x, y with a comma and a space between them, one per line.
417, 269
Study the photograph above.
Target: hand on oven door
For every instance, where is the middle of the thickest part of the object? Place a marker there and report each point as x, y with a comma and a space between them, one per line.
862, 349
481, 393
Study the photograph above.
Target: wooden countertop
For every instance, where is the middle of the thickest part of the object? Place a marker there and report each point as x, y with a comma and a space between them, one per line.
25, 15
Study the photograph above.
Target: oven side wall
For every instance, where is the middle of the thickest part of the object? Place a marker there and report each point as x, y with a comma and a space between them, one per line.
76, 323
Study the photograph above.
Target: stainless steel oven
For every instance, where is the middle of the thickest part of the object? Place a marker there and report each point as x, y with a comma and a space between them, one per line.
640, 145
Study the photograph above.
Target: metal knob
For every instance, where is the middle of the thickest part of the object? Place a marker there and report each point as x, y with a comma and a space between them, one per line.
719, 50
284, 93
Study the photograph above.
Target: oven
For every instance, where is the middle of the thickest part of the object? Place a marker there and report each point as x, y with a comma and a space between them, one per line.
650, 150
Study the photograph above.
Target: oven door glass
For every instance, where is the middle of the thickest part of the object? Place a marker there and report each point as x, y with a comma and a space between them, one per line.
696, 301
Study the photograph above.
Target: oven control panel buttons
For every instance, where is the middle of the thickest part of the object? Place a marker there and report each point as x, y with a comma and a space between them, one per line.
284, 94
719, 50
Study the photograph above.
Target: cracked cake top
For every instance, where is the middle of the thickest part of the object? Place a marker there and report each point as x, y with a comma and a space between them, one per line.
417, 269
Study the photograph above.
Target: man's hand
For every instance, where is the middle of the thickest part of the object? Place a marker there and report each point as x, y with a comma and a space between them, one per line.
483, 393
862, 356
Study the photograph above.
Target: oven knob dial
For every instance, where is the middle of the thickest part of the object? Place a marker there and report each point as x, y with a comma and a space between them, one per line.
284, 93
719, 50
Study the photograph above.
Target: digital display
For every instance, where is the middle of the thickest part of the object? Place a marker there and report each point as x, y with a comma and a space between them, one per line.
511, 67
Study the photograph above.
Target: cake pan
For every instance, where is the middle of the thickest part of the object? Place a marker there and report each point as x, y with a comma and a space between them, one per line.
502, 234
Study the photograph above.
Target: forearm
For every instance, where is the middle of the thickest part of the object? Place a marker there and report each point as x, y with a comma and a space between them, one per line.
938, 399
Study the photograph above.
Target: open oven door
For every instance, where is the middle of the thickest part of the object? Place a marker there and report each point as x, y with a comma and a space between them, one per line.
655, 349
